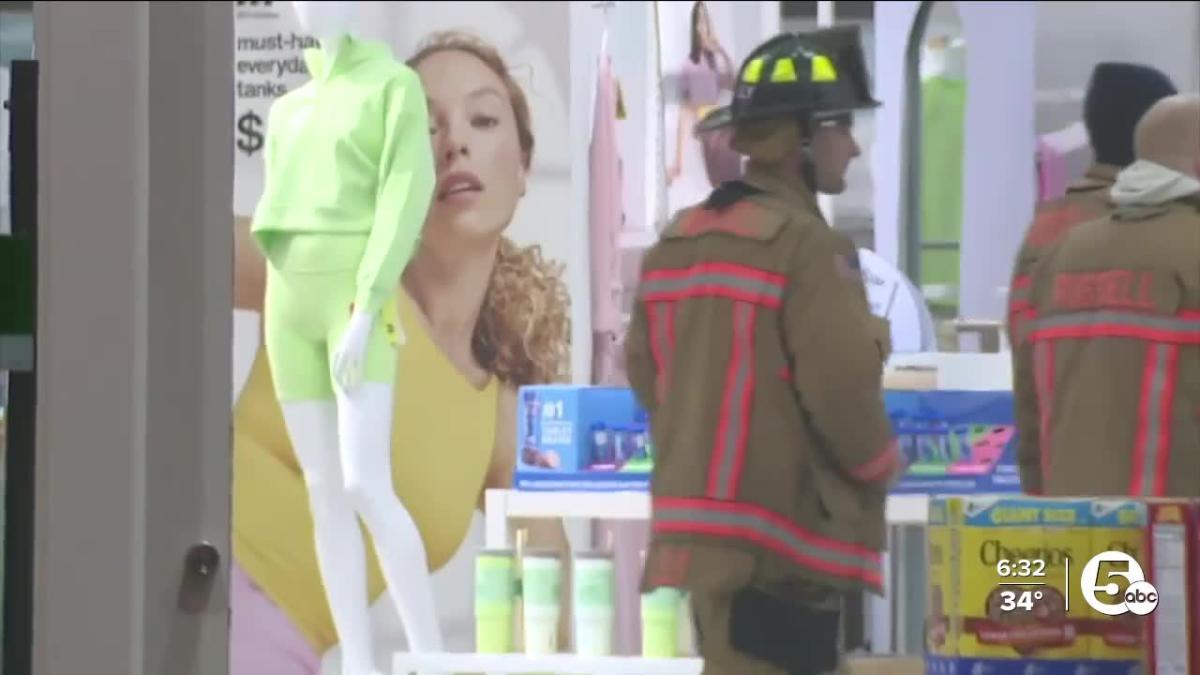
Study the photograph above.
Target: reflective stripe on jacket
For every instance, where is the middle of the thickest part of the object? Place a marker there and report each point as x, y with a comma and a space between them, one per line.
752, 346
1086, 199
1107, 373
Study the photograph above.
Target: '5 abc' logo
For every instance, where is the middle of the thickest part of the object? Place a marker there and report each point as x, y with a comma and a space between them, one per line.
1104, 595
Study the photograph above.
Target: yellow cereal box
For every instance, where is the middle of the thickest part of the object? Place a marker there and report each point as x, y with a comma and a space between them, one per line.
1117, 525
941, 636
1068, 538
1013, 594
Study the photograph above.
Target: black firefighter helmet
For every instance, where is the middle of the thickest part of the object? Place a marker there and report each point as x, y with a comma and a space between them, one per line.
816, 75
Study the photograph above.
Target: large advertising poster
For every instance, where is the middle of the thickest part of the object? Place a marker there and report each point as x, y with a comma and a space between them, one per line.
490, 302
556, 110
702, 44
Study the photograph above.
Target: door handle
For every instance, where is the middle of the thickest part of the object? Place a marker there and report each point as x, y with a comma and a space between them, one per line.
200, 567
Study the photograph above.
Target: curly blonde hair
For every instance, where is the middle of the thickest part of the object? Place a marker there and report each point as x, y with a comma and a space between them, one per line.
523, 335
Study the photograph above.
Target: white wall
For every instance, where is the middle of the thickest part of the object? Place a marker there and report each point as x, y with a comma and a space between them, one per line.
999, 171
893, 23
1071, 38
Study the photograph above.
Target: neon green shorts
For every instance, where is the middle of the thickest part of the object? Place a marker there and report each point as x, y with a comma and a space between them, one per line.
309, 297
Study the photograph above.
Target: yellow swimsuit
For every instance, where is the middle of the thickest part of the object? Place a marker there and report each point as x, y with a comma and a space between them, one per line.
443, 436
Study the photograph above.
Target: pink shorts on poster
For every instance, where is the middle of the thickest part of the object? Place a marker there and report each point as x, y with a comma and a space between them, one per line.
262, 640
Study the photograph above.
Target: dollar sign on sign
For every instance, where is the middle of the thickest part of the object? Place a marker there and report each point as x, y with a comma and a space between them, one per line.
250, 138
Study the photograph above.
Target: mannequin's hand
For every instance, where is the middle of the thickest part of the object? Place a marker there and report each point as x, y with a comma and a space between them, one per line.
351, 351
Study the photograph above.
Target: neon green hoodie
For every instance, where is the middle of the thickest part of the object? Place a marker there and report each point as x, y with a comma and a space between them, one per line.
349, 153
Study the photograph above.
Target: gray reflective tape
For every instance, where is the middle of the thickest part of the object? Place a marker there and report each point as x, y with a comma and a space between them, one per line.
1114, 318
1151, 442
770, 530
736, 390
713, 280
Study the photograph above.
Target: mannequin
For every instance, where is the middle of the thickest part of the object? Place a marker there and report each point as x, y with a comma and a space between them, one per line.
344, 200
946, 58
954, 60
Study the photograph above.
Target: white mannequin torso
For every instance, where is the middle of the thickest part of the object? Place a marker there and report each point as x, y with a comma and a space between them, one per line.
328, 21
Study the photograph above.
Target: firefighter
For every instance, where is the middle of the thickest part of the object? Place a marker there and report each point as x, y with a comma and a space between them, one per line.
1108, 367
752, 347
1117, 96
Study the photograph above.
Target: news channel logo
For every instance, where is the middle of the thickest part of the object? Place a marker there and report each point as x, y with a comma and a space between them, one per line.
1104, 594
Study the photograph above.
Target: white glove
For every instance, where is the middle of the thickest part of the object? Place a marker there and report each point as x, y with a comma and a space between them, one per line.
351, 351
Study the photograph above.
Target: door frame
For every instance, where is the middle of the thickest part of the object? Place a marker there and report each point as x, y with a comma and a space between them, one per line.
134, 333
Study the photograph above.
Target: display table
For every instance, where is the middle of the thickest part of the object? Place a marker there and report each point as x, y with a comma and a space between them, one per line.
504, 505
501, 506
559, 664
566, 664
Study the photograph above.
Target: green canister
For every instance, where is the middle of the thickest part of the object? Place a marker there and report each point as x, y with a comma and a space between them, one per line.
495, 601
660, 622
593, 603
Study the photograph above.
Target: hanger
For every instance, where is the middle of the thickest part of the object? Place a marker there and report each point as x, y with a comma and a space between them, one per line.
604, 7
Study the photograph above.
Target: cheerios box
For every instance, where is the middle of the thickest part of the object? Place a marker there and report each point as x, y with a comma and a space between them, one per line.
1118, 525
1013, 594
941, 619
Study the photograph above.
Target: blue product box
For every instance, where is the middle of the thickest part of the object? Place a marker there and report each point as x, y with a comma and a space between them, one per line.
581, 437
955, 442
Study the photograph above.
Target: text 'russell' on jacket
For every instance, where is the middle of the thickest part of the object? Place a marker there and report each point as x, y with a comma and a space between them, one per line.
753, 348
1107, 368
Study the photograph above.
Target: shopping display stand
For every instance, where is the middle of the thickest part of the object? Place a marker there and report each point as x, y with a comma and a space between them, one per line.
504, 505
559, 664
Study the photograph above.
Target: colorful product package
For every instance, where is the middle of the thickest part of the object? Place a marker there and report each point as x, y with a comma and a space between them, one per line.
581, 437
1012, 589
1014, 594
1117, 525
955, 442
941, 625
1172, 570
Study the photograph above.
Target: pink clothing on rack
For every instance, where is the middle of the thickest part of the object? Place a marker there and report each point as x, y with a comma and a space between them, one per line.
1052, 172
605, 214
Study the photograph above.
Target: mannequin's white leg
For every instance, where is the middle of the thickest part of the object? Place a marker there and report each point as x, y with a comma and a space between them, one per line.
365, 416
313, 428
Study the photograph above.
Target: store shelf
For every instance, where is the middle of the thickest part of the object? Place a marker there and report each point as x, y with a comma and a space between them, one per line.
503, 505
560, 664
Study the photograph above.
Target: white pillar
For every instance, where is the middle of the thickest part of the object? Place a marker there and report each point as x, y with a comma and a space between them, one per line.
824, 20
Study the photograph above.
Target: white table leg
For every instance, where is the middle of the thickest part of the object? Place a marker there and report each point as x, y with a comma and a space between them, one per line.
496, 519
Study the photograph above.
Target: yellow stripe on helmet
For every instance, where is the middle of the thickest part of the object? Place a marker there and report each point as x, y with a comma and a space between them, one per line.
753, 72
784, 71
823, 70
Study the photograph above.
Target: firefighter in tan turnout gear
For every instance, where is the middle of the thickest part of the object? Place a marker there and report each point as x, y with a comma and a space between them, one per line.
1118, 95
754, 351
1107, 373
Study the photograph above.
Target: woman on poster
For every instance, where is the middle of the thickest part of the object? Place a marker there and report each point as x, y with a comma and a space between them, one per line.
482, 317
702, 161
